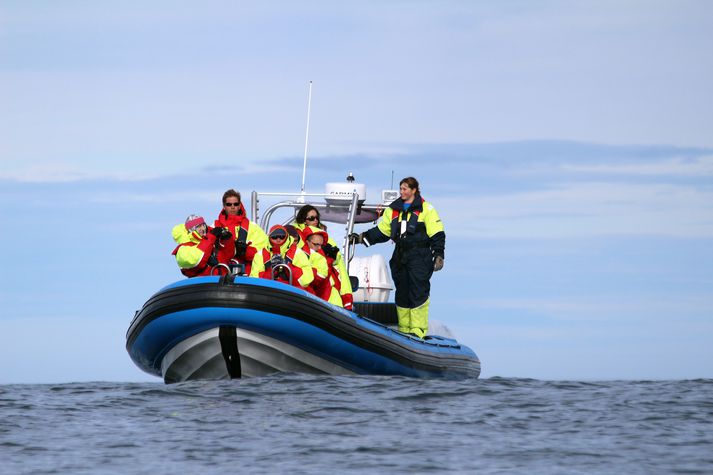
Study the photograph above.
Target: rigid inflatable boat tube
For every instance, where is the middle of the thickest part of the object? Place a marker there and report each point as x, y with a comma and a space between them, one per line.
439, 356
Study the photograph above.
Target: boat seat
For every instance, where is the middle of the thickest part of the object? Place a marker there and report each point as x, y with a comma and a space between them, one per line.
381, 312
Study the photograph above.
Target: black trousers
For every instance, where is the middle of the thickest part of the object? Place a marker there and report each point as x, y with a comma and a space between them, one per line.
411, 271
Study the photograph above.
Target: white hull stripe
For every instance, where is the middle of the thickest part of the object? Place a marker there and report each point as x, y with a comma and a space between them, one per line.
201, 357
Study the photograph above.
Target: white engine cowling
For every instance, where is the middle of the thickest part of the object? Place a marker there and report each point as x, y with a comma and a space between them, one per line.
375, 283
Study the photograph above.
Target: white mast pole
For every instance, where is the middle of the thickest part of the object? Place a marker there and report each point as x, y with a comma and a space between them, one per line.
304, 166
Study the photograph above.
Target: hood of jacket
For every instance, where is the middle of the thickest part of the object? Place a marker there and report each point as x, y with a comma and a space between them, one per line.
181, 235
285, 245
308, 231
229, 220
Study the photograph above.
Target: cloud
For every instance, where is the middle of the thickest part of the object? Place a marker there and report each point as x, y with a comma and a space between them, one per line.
684, 166
149, 99
59, 172
176, 197
518, 190
612, 308
583, 209
67, 173
251, 167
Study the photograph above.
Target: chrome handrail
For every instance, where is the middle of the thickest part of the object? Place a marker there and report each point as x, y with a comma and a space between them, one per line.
218, 266
352, 207
280, 266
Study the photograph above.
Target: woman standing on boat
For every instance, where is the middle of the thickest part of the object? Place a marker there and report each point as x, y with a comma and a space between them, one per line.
413, 224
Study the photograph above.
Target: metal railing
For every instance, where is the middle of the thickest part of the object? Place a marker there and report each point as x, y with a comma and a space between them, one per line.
350, 209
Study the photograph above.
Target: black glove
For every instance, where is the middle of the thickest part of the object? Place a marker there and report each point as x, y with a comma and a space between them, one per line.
438, 263
212, 261
221, 233
282, 274
330, 251
277, 260
240, 248
356, 238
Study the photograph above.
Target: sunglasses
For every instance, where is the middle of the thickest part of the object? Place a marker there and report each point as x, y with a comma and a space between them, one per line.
278, 236
231, 204
311, 218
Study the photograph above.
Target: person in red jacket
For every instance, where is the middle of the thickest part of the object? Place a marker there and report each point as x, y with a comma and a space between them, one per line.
196, 251
322, 256
249, 237
308, 216
283, 250
311, 243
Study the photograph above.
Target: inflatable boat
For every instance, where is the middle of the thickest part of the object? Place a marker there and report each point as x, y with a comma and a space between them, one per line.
232, 327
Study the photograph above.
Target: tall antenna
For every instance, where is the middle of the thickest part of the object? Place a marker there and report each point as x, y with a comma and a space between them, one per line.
304, 166
392, 180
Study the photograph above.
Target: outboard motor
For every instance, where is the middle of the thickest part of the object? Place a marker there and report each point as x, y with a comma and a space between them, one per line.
374, 278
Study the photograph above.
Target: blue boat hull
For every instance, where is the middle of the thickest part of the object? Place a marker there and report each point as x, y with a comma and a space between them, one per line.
231, 327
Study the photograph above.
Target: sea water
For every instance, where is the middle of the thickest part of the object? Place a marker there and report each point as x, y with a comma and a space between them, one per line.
366, 424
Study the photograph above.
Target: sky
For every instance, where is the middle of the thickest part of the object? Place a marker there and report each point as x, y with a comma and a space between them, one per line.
566, 145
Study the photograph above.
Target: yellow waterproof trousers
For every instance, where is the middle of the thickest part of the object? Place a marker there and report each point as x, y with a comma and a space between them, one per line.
414, 320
